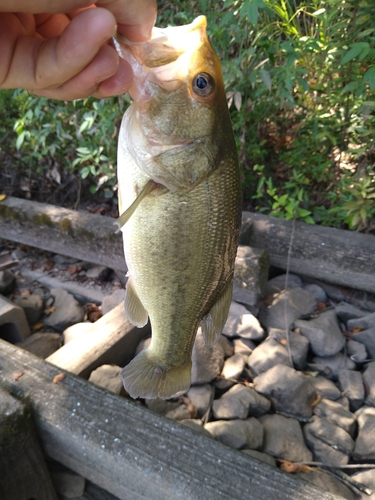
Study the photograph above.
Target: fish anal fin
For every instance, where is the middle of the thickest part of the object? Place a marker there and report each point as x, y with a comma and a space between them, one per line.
146, 377
134, 308
212, 324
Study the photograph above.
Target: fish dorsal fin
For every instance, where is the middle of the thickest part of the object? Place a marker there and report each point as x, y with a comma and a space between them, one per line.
134, 309
212, 324
125, 216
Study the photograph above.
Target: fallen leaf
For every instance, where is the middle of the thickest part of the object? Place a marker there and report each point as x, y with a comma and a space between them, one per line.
25, 292
356, 329
49, 310
74, 269
17, 375
191, 408
2, 197
37, 326
283, 342
321, 305
58, 378
49, 265
293, 468
93, 312
316, 401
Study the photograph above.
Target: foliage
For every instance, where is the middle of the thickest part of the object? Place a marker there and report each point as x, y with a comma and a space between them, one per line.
300, 76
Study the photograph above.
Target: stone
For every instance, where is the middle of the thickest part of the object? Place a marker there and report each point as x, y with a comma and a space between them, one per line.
7, 282
196, 425
98, 272
259, 455
317, 291
325, 387
32, 305
336, 414
13, 324
67, 483
351, 385
367, 338
356, 351
323, 332
289, 391
365, 442
346, 311
244, 347
182, 412
107, 376
111, 301
75, 331
143, 344
200, 396
206, 363
331, 433
161, 406
279, 283
344, 401
367, 478
233, 367
369, 383
366, 321
335, 363
328, 482
283, 438
286, 307
237, 433
227, 346
67, 311
268, 354
241, 323
298, 344
250, 274
42, 344
240, 402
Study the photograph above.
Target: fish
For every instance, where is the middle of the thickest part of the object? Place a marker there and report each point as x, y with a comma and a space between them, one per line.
180, 203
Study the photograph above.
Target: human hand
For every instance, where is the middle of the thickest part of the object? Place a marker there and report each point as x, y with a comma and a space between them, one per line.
63, 52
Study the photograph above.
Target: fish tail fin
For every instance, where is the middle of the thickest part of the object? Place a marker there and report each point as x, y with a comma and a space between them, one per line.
146, 377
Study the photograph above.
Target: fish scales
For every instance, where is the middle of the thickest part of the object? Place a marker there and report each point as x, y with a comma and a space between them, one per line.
180, 246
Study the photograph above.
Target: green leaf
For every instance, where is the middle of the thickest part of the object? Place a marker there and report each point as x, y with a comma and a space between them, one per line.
266, 78
20, 139
369, 77
356, 49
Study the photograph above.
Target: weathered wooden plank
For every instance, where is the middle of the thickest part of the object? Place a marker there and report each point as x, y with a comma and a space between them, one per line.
112, 339
131, 452
77, 234
23, 471
333, 255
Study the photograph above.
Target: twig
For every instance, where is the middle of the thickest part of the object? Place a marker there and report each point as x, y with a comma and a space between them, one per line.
286, 286
347, 466
349, 481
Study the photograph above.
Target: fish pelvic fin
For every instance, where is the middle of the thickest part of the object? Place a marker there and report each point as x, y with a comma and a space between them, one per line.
134, 309
212, 324
146, 377
125, 216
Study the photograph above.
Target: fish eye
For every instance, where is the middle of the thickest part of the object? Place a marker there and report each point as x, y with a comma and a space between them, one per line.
203, 84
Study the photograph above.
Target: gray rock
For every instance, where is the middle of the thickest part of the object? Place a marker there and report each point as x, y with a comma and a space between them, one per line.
233, 367
113, 300
336, 414
347, 311
182, 412
207, 363
262, 457
268, 354
67, 483
240, 402
42, 344
283, 438
335, 363
223, 384
227, 346
286, 307
323, 332
289, 391
365, 442
367, 338
98, 272
369, 383
200, 396
237, 433
33, 307
317, 291
331, 433
275, 285
320, 369
344, 401
325, 387
298, 344
351, 385
107, 376
365, 322
67, 310
196, 425
76, 330
327, 482
250, 274
367, 478
356, 351
244, 347
142, 344
161, 406
241, 323
7, 282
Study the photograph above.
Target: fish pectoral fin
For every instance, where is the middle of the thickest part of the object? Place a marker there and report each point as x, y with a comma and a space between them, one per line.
212, 324
146, 376
134, 309
125, 216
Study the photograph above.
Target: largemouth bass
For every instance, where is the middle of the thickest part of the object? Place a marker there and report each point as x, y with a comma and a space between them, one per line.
179, 185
